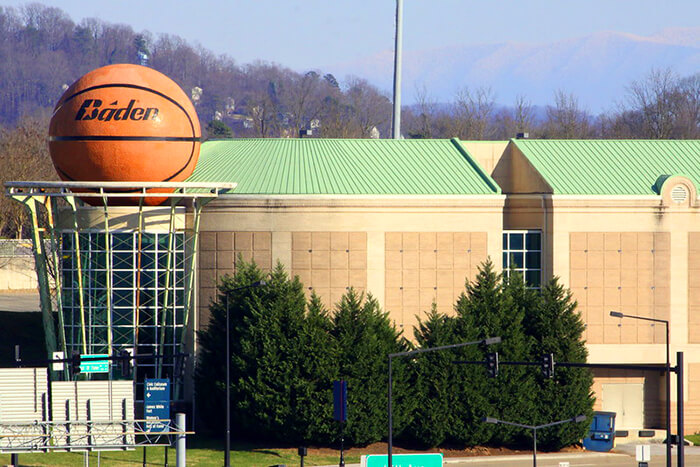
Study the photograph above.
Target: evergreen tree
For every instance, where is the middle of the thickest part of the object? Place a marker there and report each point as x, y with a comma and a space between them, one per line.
513, 393
365, 337
432, 377
210, 388
280, 371
556, 327
481, 314
216, 129
318, 367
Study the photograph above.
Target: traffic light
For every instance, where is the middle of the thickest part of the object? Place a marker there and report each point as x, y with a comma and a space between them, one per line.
125, 362
492, 364
548, 365
75, 363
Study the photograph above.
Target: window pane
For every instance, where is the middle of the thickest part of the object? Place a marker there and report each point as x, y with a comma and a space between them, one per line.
122, 316
534, 241
516, 241
505, 260
122, 260
123, 241
505, 241
148, 241
532, 278
516, 260
148, 260
532, 260
122, 279
123, 298
163, 260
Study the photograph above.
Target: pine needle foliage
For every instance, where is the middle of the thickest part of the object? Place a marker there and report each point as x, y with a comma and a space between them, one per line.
286, 351
365, 337
451, 399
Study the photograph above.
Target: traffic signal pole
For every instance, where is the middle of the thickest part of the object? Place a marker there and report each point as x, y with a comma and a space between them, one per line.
548, 364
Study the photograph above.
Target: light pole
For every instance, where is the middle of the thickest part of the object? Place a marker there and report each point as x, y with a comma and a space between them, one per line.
396, 114
495, 421
227, 455
617, 314
487, 341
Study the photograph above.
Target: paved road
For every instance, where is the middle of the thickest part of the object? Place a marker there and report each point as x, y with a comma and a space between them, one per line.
19, 301
624, 456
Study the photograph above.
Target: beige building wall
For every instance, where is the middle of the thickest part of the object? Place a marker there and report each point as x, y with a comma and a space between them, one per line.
17, 273
635, 254
405, 251
694, 287
329, 263
423, 268
487, 153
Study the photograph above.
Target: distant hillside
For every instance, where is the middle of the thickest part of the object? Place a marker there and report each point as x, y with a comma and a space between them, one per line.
42, 51
596, 68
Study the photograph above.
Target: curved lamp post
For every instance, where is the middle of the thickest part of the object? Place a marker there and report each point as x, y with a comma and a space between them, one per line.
617, 314
495, 421
227, 455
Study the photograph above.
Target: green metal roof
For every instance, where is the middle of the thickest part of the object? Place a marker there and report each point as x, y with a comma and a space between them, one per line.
343, 166
611, 167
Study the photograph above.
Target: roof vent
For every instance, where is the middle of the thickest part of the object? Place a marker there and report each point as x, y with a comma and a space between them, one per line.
679, 194
522, 135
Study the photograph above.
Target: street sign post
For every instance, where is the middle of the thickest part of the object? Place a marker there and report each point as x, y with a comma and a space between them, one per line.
340, 400
92, 364
156, 403
403, 460
340, 412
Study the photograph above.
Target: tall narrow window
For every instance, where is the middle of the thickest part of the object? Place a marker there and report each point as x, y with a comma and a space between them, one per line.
522, 252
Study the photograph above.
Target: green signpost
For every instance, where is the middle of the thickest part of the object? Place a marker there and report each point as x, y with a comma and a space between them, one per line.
403, 460
93, 365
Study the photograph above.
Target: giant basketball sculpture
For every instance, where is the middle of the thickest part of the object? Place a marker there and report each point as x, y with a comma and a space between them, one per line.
124, 123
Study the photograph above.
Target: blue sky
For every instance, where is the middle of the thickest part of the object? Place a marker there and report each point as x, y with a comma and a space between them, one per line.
303, 34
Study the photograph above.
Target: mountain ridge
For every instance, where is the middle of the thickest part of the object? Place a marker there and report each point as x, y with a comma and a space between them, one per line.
596, 68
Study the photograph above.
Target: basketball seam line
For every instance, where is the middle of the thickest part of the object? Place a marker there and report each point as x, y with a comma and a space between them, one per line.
124, 138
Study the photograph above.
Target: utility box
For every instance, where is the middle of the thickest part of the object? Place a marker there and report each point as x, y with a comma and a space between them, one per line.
601, 435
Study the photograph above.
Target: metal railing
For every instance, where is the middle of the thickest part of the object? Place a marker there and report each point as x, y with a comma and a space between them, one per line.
83, 435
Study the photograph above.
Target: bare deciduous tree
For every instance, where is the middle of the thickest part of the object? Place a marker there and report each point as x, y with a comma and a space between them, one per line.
23, 156
688, 119
473, 113
566, 119
655, 99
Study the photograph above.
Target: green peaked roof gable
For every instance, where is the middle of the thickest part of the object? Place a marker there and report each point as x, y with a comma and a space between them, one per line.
343, 167
611, 167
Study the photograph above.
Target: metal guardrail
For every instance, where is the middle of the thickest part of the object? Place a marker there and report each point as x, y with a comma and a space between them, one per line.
83, 435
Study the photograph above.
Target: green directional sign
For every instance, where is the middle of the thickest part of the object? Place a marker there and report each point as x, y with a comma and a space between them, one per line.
93, 365
404, 460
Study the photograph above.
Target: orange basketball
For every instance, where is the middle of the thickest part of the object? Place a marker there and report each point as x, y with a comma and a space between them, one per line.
124, 123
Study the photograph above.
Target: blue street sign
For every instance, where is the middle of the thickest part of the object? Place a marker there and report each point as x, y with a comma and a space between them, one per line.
156, 404
94, 366
340, 400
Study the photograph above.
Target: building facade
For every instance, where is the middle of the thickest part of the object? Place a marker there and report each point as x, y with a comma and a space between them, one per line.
411, 220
